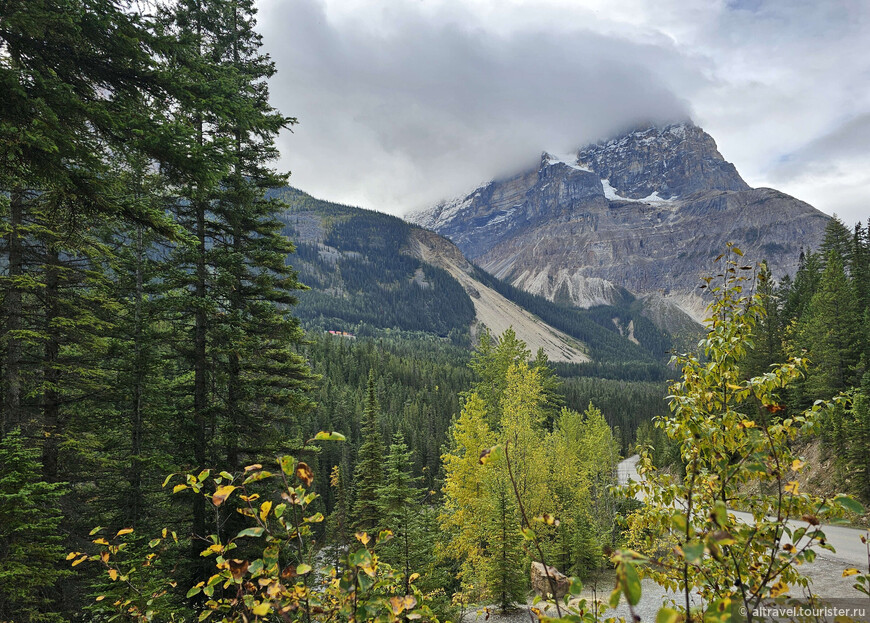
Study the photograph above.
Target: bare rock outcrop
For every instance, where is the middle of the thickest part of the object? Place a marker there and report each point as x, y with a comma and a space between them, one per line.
557, 585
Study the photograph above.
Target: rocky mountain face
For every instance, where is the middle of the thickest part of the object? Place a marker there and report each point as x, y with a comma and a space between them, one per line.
644, 213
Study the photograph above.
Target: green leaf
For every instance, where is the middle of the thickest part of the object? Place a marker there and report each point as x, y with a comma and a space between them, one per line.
288, 465
720, 514
849, 503
95, 530
667, 615
360, 558
614, 597
576, 586
256, 476
632, 584
693, 552
193, 591
303, 569
528, 534
256, 567
254, 532
489, 455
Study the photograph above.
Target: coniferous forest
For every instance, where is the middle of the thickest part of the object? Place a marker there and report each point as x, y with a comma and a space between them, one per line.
183, 439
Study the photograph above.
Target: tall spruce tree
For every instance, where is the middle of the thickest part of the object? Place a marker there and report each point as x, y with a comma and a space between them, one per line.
369, 466
858, 434
399, 508
266, 380
829, 329
767, 335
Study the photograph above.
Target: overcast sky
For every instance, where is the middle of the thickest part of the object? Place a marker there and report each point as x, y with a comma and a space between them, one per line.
405, 102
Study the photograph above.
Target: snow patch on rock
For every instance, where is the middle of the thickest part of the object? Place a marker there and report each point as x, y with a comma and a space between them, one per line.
613, 195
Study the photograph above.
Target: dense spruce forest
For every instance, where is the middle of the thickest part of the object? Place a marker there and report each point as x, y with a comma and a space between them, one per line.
183, 439
821, 314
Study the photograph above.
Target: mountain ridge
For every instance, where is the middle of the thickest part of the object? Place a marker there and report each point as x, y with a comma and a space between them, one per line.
644, 213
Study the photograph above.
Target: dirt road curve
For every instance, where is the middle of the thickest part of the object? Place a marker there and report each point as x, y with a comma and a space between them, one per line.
826, 570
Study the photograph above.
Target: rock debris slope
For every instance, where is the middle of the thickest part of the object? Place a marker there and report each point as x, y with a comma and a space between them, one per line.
491, 308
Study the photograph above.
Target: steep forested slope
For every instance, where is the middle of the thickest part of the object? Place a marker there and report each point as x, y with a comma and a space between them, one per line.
353, 262
369, 270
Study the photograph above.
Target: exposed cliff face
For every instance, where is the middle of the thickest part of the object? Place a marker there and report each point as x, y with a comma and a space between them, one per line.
646, 212
669, 162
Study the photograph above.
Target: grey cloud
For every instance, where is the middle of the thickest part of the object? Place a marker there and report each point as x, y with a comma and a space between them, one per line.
403, 114
824, 153
404, 103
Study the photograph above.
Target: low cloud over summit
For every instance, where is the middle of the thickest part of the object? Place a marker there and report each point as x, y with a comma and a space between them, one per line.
403, 104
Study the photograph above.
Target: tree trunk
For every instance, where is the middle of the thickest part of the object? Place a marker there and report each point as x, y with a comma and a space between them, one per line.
51, 373
12, 395
200, 381
234, 389
136, 502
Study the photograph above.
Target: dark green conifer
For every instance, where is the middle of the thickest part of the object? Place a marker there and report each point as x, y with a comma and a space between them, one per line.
399, 507
31, 544
829, 329
369, 466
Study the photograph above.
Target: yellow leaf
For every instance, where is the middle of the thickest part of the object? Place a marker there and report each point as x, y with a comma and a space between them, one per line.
797, 464
72, 555
362, 537
217, 548
178, 488
79, 561
260, 609
748, 424
113, 574
123, 532
100, 598
238, 568
222, 494
778, 589
304, 473
849, 572
792, 487
264, 510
